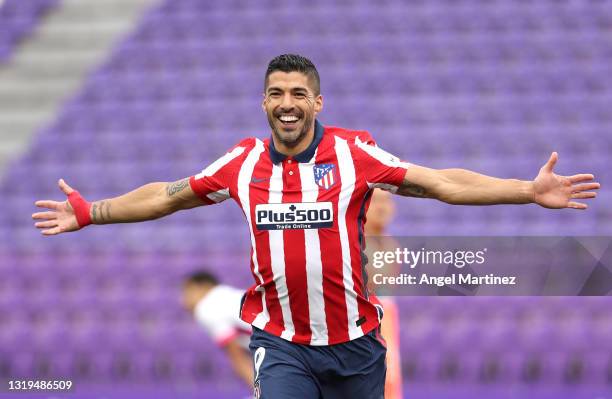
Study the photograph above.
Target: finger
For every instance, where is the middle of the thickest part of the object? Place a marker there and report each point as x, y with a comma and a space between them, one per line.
576, 205
44, 215
65, 187
584, 187
51, 232
580, 177
48, 204
46, 224
587, 194
550, 164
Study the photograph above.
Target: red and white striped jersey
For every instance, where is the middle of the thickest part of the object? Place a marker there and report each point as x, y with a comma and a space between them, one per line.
305, 216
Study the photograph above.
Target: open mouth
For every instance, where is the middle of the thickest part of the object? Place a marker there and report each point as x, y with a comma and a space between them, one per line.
288, 120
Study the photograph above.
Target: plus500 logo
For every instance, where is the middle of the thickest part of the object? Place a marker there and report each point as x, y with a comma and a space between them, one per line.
298, 215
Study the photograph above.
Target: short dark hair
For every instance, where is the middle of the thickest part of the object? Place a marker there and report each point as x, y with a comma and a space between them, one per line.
201, 277
294, 63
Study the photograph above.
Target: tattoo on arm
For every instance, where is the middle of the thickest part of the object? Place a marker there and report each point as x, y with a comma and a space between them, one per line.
94, 214
97, 212
176, 187
412, 190
104, 218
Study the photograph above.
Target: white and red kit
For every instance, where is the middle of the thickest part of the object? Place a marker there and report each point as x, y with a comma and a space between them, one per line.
217, 312
305, 215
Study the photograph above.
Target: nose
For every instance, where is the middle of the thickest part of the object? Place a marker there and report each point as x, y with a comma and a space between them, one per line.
287, 102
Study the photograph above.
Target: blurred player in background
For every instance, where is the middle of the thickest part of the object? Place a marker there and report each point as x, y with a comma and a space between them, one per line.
216, 307
380, 213
304, 192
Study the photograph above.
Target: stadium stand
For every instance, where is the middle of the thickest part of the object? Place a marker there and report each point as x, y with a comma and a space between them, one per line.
17, 20
490, 86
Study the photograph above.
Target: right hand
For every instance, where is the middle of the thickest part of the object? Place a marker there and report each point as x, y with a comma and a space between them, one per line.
60, 217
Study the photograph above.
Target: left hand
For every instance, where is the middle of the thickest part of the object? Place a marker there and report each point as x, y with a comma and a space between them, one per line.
555, 191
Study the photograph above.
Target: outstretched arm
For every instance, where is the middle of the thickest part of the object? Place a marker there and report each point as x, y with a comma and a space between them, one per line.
151, 201
464, 187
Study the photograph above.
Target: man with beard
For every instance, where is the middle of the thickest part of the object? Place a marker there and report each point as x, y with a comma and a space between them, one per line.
304, 192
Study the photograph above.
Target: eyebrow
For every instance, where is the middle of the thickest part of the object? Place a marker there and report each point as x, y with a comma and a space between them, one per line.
295, 89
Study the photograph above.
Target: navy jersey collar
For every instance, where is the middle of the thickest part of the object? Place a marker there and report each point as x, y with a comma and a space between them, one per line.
303, 156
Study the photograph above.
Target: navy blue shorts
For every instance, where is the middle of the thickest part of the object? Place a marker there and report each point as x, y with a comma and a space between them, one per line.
285, 370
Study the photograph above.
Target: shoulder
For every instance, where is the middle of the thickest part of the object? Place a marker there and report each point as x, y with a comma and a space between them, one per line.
239, 152
201, 311
350, 135
207, 309
247, 143
226, 292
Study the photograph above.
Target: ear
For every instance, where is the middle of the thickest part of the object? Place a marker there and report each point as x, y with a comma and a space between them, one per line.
263, 103
318, 105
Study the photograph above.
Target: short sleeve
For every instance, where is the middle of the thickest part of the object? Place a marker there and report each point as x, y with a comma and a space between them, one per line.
364, 137
381, 168
213, 183
218, 324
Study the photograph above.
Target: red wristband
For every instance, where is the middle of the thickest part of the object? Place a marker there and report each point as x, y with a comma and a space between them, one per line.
81, 208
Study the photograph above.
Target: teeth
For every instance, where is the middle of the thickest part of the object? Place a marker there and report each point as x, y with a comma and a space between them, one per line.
288, 118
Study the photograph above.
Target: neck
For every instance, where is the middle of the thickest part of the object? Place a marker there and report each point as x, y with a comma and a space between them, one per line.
205, 290
300, 147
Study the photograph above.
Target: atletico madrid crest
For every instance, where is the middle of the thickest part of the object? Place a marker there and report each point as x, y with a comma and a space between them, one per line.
324, 175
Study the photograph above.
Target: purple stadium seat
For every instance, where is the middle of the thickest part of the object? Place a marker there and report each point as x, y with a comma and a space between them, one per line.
17, 20
441, 85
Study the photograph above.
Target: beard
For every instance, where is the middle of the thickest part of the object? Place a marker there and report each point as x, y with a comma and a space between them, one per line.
290, 139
